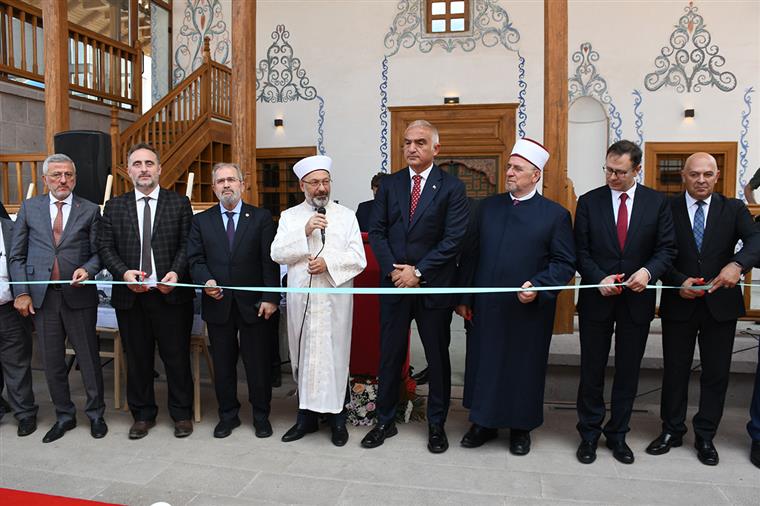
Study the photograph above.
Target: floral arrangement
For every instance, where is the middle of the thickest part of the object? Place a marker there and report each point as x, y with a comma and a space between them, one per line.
362, 409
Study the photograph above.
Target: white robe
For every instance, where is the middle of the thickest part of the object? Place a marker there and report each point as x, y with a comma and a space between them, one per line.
320, 366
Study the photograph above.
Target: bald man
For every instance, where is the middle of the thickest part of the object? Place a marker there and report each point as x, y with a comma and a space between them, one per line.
708, 226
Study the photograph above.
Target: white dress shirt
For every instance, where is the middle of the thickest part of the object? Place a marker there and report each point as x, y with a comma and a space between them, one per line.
5, 289
425, 174
691, 207
628, 203
152, 279
525, 197
65, 209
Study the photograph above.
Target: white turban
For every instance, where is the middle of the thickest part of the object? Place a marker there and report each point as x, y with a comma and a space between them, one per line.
532, 151
312, 163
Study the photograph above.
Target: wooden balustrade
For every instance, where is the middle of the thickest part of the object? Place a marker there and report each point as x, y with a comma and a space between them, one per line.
221, 88
102, 69
16, 171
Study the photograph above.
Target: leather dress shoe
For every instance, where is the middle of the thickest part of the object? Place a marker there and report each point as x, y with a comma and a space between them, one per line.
298, 431
379, 434
225, 427
140, 428
183, 428
262, 429
339, 435
519, 442
621, 451
437, 440
58, 430
98, 428
664, 443
706, 452
478, 436
421, 378
586, 453
754, 453
26, 426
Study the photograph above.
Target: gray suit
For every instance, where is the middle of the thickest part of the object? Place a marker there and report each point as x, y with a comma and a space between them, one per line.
15, 348
61, 310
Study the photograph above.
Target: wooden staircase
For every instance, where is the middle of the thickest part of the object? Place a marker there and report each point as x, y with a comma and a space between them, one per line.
190, 128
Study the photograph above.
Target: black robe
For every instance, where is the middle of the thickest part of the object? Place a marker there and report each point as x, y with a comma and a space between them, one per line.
509, 348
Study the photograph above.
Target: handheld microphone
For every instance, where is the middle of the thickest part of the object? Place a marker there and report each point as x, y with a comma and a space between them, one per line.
322, 211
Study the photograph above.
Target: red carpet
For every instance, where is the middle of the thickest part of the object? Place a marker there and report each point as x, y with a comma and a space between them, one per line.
20, 498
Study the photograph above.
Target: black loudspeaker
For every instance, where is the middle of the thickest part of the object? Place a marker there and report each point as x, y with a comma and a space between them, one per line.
91, 152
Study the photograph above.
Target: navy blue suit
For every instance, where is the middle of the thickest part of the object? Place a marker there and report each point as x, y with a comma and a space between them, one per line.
650, 243
364, 214
430, 241
508, 345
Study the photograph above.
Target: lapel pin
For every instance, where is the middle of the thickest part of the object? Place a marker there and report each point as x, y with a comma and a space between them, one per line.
434, 187
247, 215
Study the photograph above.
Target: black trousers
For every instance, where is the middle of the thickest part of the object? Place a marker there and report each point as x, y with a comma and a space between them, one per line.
148, 322
55, 322
16, 362
254, 348
716, 343
434, 326
596, 339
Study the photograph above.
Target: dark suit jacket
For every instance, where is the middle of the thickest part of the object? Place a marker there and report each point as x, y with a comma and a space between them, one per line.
119, 243
650, 243
248, 264
432, 240
728, 221
364, 214
33, 252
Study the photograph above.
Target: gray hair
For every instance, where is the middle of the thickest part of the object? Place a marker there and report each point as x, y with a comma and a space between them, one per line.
421, 123
57, 158
222, 165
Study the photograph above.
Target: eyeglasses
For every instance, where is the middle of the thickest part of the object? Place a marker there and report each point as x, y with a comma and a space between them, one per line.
618, 173
58, 175
229, 180
317, 184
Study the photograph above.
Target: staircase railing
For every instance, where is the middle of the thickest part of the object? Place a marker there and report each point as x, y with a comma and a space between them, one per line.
16, 172
203, 95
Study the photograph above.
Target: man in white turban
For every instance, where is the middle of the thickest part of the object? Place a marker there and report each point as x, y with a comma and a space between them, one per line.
320, 243
521, 240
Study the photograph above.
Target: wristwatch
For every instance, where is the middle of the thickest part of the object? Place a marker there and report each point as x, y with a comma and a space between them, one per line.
417, 273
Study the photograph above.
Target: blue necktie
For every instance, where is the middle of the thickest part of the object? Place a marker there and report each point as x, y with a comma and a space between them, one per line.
699, 224
230, 227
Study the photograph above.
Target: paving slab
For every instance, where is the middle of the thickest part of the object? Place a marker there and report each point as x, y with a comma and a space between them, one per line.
293, 489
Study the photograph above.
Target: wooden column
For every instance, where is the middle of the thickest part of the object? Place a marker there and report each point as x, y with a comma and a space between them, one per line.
555, 183
244, 93
56, 36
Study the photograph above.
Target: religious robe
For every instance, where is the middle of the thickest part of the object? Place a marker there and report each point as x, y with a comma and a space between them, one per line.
320, 340
506, 360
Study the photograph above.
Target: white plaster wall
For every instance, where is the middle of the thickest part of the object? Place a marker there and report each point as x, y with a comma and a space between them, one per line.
630, 35
340, 45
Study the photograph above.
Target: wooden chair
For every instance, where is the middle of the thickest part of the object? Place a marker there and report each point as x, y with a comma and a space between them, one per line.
198, 346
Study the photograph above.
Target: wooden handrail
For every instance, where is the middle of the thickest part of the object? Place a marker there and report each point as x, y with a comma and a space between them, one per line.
19, 165
110, 70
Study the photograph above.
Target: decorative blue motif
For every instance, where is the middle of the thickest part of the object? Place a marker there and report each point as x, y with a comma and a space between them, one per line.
203, 18
280, 78
490, 26
522, 116
384, 116
690, 62
639, 123
587, 82
743, 143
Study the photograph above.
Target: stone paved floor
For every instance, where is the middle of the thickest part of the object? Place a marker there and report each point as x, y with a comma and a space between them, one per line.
242, 470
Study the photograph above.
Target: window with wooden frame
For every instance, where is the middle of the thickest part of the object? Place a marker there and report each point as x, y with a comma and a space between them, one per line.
663, 162
447, 16
276, 183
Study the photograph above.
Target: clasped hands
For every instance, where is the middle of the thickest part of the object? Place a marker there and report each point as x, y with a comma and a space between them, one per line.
403, 276
135, 276
728, 277
637, 283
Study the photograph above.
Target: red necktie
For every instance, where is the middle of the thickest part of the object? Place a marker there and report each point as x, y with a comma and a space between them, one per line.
622, 221
415, 195
57, 233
